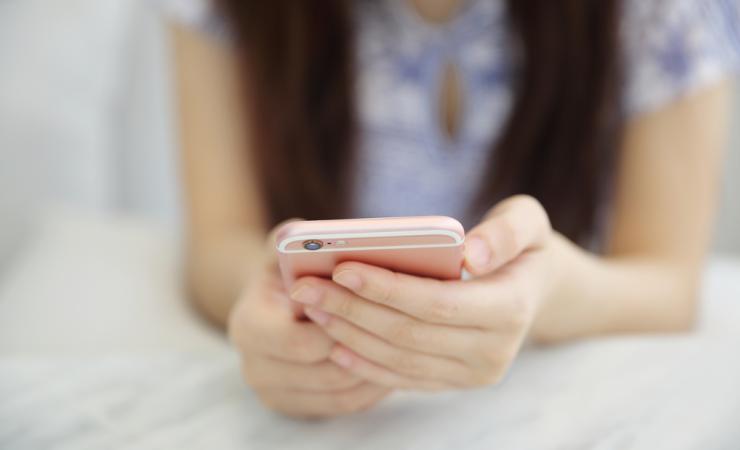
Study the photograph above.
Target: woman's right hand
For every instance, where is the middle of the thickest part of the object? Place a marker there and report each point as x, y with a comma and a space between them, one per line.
285, 359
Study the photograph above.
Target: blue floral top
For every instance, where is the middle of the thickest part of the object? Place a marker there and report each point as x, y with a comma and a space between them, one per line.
408, 165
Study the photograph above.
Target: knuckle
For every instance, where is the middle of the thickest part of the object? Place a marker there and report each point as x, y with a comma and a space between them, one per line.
491, 373
488, 378
537, 208
405, 332
526, 201
346, 402
512, 235
520, 307
433, 387
250, 376
345, 307
249, 321
268, 400
294, 347
348, 334
235, 335
387, 288
516, 320
534, 209
237, 325
339, 379
408, 364
442, 309
488, 357
304, 348
494, 356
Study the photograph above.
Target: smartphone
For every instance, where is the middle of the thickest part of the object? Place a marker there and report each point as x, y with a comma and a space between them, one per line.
426, 246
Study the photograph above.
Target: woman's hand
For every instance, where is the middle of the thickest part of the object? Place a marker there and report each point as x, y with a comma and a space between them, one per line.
403, 331
285, 360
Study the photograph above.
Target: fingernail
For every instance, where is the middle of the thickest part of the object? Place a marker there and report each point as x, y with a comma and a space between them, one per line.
477, 252
318, 316
348, 279
306, 295
341, 357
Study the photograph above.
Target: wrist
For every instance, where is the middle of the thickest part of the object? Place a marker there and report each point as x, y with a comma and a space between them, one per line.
558, 316
558, 256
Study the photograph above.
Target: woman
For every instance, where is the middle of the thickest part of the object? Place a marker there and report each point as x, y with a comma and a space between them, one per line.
578, 141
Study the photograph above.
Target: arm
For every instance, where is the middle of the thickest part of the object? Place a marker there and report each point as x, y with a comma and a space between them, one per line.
665, 201
225, 216
231, 272
401, 331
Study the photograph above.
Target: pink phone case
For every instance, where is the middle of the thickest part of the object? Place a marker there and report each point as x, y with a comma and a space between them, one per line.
428, 246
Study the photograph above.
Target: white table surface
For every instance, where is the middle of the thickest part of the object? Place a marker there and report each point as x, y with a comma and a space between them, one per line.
98, 351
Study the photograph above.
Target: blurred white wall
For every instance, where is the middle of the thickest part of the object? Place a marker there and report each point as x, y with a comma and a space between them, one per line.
84, 113
86, 120
147, 160
59, 91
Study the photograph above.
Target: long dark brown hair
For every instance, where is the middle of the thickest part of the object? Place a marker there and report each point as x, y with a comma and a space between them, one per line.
559, 144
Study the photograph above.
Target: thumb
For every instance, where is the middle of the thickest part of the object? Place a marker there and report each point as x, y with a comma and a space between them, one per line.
272, 262
513, 226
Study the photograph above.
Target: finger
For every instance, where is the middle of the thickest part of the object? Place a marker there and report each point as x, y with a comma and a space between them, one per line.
323, 404
380, 375
296, 310
268, 328
392, 325
515, 225
302, 342
415, 365
262, 372
464, 304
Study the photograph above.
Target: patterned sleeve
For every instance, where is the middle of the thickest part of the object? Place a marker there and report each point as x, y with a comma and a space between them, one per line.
674, 47
200, 14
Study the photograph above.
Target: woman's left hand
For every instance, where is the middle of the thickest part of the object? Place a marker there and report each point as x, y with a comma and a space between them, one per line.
408, 332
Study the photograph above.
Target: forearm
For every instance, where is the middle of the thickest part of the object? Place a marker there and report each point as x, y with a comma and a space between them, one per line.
595, 295
217, 271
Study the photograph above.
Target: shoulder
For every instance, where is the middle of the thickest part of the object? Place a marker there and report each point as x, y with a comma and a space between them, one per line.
200, 15
673, 47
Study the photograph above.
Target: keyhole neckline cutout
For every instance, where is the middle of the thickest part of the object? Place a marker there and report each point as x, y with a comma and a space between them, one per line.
450, 101
411, 16
437, 12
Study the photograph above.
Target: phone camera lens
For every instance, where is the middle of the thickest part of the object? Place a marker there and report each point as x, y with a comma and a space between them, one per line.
313, 245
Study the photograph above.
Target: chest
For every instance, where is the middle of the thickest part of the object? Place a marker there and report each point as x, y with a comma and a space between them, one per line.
432, 101
450, 83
